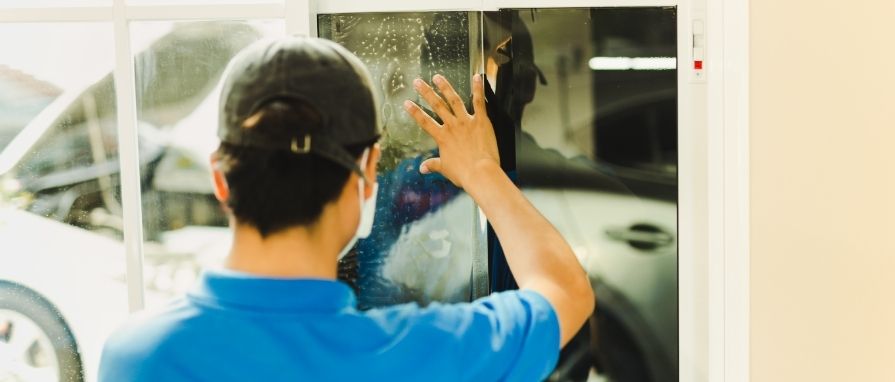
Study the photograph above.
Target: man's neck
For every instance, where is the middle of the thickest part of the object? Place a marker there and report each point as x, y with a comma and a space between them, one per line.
298, 252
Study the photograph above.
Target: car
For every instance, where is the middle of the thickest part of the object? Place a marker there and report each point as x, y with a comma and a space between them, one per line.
62, 279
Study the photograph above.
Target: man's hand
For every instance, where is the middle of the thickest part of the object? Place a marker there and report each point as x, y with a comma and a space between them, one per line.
465, 142
540, 259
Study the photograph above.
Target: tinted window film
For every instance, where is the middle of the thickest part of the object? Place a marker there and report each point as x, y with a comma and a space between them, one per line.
588, 100
424, 240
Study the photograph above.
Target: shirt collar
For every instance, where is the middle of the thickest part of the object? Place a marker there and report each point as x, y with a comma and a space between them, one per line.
234, 290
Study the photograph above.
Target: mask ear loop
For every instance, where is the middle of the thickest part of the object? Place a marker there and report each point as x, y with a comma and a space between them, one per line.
217, 166
367, 207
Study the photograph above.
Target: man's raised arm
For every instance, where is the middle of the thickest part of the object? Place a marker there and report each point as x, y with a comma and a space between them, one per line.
539, 257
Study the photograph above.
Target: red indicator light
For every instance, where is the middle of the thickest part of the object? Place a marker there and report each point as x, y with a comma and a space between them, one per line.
697, 65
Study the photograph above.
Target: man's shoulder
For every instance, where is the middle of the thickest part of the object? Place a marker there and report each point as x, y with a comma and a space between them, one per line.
160, 318
517, 306
146, 334
512, 333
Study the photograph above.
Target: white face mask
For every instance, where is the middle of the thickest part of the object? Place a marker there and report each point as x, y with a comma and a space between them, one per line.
367, 209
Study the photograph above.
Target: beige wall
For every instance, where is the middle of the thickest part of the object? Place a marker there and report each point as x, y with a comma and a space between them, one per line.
823, 190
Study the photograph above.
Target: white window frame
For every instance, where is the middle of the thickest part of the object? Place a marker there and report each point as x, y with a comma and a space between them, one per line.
713, 158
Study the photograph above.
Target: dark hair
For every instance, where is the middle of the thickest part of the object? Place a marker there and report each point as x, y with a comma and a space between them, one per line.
272, 190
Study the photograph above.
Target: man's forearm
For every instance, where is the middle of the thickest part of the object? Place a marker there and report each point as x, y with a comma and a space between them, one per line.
536, 247
537, 254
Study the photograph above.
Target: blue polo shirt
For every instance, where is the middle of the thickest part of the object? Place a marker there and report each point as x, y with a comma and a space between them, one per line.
234, 327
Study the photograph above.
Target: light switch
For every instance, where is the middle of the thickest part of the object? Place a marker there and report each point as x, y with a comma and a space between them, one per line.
698, 40
698, 64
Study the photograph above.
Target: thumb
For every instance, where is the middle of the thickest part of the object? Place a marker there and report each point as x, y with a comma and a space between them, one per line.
430, 165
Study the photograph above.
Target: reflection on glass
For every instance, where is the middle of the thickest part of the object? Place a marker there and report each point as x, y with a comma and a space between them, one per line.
178, 70
61, 275
595, 147
423, 242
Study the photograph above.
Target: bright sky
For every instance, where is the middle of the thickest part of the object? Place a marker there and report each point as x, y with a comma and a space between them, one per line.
63, 54
68, 55
71, 55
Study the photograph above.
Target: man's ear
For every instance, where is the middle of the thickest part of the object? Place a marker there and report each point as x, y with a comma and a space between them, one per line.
372, 163
221, 189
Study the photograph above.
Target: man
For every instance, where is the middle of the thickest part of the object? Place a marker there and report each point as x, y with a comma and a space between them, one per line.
295, 169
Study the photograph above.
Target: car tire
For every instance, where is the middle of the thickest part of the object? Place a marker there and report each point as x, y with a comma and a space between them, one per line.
616, 353
31, 305
605, 345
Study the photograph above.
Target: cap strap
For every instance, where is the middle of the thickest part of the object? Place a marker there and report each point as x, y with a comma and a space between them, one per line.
325, 147
305, 147
307, 144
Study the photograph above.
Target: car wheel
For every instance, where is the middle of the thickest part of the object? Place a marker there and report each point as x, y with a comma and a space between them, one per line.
36, 344
602, 351
616, 353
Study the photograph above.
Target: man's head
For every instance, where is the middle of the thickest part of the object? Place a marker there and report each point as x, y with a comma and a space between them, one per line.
297, 116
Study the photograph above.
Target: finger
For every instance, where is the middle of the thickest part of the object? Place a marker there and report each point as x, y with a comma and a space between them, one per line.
422, 119
430, 165
478, 95
437, 104
450, 95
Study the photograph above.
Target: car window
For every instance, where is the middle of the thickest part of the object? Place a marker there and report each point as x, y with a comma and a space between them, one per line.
82, 135
424, 240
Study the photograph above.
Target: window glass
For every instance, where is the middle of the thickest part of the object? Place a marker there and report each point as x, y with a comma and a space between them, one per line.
62, 285
424, 241
589, 98
178, 69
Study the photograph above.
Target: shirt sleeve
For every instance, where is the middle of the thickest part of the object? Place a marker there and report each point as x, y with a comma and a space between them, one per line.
508, 336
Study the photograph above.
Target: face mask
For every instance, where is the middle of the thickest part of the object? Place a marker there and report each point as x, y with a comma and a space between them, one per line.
367, 209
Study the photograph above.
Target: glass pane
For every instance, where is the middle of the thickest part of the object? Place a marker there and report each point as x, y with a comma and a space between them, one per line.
62, 286
592, 97
424, 239
178, 70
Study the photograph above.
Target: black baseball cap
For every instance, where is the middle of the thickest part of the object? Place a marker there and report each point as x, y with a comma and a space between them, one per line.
314, 73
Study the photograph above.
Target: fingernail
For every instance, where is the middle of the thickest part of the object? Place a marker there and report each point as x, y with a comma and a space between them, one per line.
418, 83
408, 104
424, 169
438, 78
478, 78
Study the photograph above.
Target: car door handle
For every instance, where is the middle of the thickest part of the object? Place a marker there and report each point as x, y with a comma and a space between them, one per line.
641, 236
